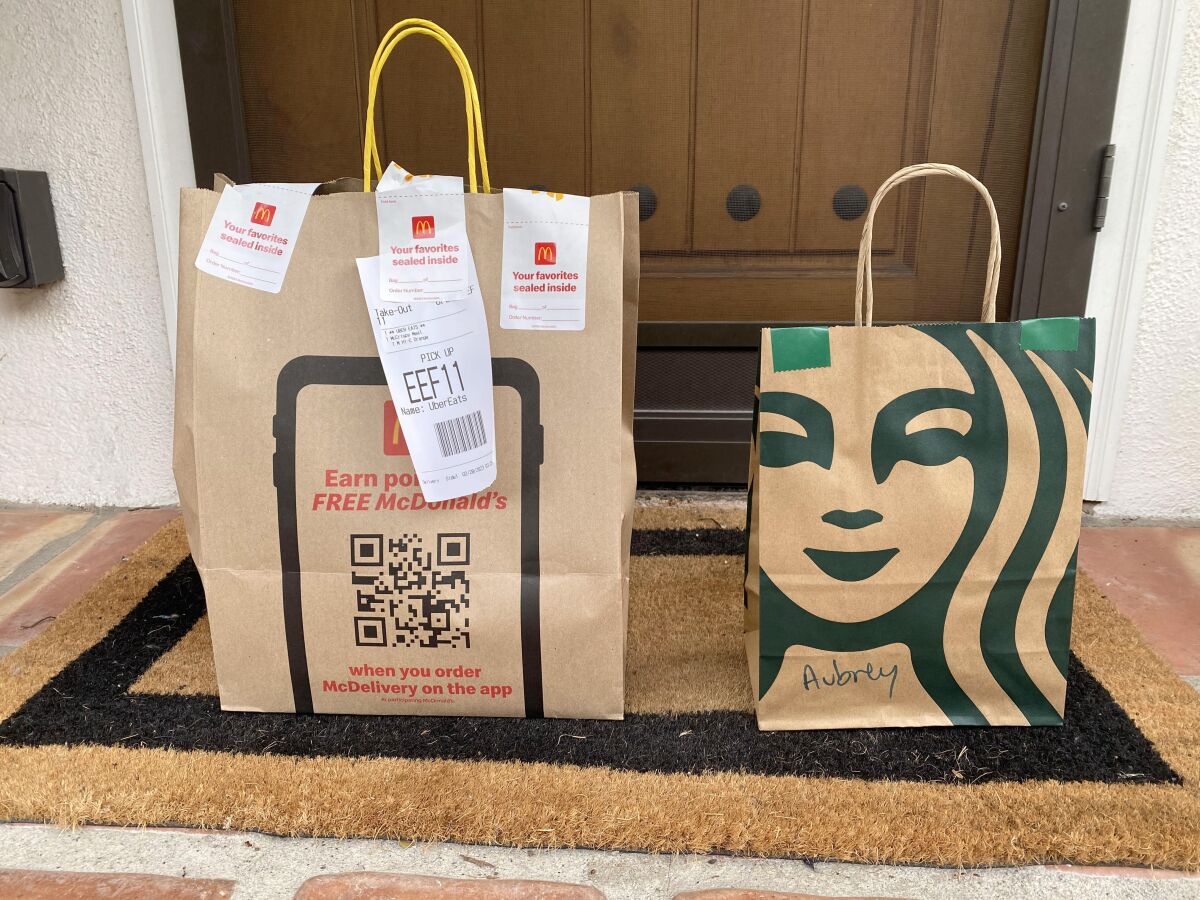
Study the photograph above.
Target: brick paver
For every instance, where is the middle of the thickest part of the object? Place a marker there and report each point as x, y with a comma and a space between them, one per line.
746, 894
1124, 872
33, 884
385, 886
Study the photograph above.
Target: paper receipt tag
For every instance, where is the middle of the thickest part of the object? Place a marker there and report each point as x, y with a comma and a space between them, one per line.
438, 363
424, 254
253, 232
543, 286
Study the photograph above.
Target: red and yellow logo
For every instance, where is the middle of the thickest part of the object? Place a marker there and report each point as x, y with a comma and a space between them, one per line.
264, 214
393, 438
545, 254
422, 227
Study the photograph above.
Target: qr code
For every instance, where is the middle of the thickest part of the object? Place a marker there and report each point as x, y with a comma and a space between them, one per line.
410, 596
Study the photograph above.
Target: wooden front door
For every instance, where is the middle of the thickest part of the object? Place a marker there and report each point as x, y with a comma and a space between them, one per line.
754, 130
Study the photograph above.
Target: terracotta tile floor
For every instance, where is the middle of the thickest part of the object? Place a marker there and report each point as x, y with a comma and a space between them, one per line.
1153, 575
48, 558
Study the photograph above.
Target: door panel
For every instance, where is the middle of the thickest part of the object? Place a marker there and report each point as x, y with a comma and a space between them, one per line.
981, 61
747, 90
535, 100
299, 128
641, 112
848, 105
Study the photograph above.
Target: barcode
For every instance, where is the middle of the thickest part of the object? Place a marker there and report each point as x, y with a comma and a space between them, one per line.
461, 434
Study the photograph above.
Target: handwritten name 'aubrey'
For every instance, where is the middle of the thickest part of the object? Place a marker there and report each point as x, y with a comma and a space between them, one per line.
842, 677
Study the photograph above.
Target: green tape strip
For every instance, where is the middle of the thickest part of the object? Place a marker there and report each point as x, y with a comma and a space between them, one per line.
1050, 334
799, 348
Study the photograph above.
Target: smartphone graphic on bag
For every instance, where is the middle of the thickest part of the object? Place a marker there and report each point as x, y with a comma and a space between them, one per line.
392, 604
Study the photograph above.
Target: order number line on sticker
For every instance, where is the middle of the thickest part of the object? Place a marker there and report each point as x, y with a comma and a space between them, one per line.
241, 262
460, 434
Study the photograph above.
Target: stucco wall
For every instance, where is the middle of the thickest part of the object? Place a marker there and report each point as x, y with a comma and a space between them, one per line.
1157, 474
85, 375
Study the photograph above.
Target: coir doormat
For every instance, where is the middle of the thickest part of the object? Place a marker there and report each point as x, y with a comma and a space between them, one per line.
110, 716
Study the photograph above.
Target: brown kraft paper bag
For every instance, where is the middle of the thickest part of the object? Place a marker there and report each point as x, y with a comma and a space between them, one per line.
508, 602
915, 495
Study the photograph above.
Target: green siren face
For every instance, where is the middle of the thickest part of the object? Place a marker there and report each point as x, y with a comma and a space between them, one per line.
919, 489
879, 440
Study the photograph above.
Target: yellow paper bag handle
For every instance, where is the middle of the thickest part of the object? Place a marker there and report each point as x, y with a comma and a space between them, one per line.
394, 36
991, 285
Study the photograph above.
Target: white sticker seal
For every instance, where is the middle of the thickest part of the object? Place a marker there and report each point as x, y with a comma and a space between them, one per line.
424, 254
438, 363
253, 232
544, 282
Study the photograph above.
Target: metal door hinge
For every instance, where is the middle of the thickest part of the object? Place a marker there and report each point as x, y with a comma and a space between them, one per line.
1106, 169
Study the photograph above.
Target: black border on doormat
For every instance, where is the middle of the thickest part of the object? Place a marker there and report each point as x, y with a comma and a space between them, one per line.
89, 703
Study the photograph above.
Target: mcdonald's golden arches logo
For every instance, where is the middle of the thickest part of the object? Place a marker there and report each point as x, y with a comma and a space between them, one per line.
545, 254
422, 226
264, 214
393, 438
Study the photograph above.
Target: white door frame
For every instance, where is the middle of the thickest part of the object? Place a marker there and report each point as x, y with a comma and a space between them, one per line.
154, 65
1145, 97
1149, 70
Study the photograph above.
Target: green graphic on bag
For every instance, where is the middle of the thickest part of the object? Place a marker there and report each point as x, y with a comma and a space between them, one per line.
914, 518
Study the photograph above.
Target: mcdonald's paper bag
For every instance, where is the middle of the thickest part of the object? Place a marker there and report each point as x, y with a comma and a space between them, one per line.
332, 584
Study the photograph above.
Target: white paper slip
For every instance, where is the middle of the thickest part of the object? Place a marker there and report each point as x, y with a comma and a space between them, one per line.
424, 254
396, 176
253, 232
438, 363
543, 285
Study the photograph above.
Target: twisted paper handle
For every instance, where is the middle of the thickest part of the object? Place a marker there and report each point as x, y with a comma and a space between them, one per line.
394, 36
992, 284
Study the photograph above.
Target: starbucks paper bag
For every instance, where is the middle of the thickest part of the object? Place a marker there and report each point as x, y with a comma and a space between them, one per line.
914, 516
